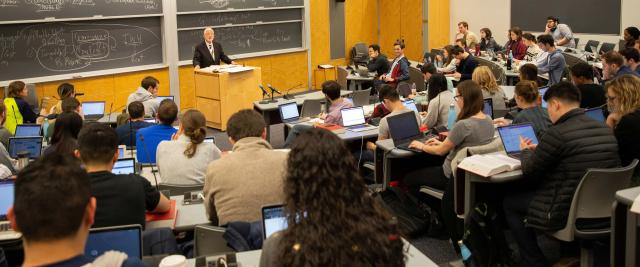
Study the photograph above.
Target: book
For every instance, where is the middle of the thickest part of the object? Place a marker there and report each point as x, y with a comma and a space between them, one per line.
489, 164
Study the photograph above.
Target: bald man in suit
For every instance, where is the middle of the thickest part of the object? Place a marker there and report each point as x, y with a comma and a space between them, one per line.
209, 52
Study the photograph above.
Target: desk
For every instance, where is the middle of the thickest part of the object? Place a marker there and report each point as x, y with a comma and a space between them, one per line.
187, 218
109, 118
357, 79
624, 229
346, 136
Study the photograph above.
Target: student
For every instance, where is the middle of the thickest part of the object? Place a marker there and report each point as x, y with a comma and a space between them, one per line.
147, 139
399, 70
429, 70
552, 170
4, 133
391, 99
490, 89
54, 209
147, 93
65, 134
613, 66
122, 198
487, 41
185, 158
631, 59
561, 33
127, 132
631, 36
472, 128
529, 72
534, 54
515, 45
592, 95
378, 62
554, 63
466, 64
65, 90
332, 219
624, 117
440, 99
69, 104
526, 95
468, 36
239, 184
18, 110
450, 62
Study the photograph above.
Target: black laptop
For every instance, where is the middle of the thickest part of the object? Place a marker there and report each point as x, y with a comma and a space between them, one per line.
404, 129
289, 113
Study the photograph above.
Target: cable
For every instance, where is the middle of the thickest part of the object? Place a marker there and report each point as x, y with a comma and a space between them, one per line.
361, 150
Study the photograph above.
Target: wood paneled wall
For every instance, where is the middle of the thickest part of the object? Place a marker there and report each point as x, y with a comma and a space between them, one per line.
439, 23
401, 19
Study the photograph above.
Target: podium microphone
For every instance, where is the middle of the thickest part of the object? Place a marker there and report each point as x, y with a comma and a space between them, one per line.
287, 96
265, 93
273, 89
144, 147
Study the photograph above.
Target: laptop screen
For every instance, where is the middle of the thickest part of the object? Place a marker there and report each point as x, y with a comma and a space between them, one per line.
410, 104
289, 111
27, 130
209, 140
511, 134
124, 166
33, 145
160, 98
125, 239
352, 116
121, 152
596, 114
93, 108
6, 198
542, 91
150, 120
273, 220
488, 107
403, 126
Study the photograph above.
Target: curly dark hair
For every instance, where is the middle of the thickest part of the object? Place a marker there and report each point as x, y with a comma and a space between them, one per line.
342, 225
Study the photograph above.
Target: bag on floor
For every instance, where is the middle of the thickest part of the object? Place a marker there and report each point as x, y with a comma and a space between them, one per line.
485, 238
412, 217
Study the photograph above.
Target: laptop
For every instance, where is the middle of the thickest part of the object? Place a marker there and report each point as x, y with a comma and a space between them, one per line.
126, 238
542, 91
28, 130
353, 120
289, 113
210, 140
404, 129
150, 120
596, 114
124, 166
273, 220
121, 151
31, 144
93, 110
6, 201
410, 104
487, 109
161, 98
511, 134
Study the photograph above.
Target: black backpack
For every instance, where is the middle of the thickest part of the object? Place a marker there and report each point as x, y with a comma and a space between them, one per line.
413, 217
485, 238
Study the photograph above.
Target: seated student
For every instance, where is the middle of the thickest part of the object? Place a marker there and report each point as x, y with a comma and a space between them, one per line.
631, 36
69, 104
613, 66
472, 128
526, 95
591, 94
487, 41
399, 70
391, 100
555, 63
466, 64
147, 93
185, 158
449, 61
561, 33
553, 168
147, 139
54, 209
65, 134
240, 183
124, 198
490, 89
515, 45
624, 116
18, 110
440, 99
631, 59
529, 72
427, 71
127, 132
462, 43
378, 62
322, 182
65, 90
4, 133
534, 54
465, 34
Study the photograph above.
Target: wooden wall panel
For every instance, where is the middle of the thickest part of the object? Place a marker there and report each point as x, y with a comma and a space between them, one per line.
126, 83
411, 27
439, 23
390, 31
187, 87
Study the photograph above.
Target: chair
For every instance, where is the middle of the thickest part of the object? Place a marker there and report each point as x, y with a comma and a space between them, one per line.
606, 47
359, 54
572, 60
592, 202
576, 41
311, 107
591, 43
342, 78
415, 76
179, 190
404, 89
622, 44
209, 240
361, 97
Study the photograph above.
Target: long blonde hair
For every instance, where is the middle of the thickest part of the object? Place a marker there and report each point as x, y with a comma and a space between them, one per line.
484, 77
627, 90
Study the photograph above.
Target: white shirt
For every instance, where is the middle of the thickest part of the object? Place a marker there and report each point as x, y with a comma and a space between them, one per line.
211, 50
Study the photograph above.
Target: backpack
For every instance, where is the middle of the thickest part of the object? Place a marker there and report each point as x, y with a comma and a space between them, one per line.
413, 217
485, 238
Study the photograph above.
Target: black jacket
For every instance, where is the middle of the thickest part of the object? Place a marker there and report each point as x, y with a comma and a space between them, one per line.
380, 65
566, 150
466, 67
627, 132
202, 56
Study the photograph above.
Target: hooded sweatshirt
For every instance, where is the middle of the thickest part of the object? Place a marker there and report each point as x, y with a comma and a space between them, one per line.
149, 101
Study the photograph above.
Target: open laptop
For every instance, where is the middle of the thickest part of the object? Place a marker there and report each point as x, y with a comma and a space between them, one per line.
273, 220
353, 120
487, 109
121, 151
410, 104
126, 238
31, 144
6, 201
93, 110
289, 113
150, 120
404, 129
210, 140
596, 114
28, 130
511, 134
124, 166
542, 91
161, 98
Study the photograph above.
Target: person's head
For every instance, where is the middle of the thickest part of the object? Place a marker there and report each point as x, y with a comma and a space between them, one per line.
469, 99
515, 34
428, 70
17, 89
167, 112
98, 145
484, 77
485, 33
612, 61
331, 90
623, 94
246, 123
528, 72
631, 56
546, 42
446, 52
458, 53
52, 202
461, 42
66, 90
151, 84
631, 34
529, 39
398, 48
388, 96
374, 50
193, 125
437, 84
322, 181
136, 110
463, 27
552, 22
526, 93
65, 132
561, 98
71, 104
3, 112
208, 34
581, 73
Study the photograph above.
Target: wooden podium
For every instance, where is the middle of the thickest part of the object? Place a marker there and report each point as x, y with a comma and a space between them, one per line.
219, 95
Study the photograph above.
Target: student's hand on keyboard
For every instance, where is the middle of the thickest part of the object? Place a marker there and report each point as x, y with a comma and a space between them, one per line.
433, 142
417, 145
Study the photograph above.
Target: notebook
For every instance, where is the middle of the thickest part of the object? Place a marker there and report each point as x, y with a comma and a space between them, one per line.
404, 129
161, 98
28, 130
487, 109
31, 144
126, 238
596, 114
93, 110
542, 91
511, 134
273, 220
410, 104
289, 113
6, 201
124, 166
353, 119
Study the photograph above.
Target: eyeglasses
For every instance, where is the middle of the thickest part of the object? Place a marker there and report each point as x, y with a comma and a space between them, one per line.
457, 97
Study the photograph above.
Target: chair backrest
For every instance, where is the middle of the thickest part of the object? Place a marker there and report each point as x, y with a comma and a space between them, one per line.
576, 41
571, 59
311, 107
342, 78
359, 53
179, 190
404, 89
591, 43
209, 240
606, 47
415, 76
622, 45
361, 97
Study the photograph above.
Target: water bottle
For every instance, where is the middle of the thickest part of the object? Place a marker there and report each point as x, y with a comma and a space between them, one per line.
509, 60
45, 127
452, 116
466, 255
414, 89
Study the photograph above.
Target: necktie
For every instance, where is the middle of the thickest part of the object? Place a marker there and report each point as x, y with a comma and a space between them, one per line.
211, 51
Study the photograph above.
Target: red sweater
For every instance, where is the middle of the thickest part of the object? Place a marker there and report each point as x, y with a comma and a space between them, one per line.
519, 49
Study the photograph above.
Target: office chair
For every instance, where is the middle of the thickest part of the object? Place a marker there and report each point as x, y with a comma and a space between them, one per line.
606, 47
591, 43
179, 190
311, 107
359, 54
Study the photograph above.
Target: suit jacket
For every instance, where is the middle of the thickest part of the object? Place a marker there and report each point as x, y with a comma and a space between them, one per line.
202, 57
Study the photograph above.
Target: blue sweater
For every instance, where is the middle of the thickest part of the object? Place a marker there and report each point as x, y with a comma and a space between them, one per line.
554, 65
152, 136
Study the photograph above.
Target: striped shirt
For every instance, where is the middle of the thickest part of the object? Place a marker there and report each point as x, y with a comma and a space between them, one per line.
536, 116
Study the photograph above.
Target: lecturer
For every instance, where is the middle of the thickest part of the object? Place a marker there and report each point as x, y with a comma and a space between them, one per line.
209, 52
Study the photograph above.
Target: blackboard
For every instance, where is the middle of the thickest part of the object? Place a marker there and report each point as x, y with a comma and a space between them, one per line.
212, 5
583, 16
45, 49
238, 17
16, 10
245, 39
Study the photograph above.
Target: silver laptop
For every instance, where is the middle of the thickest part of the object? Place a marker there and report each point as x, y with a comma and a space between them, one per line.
353, 120
124, 166
93, 110
6, 201
511, 134
126, 238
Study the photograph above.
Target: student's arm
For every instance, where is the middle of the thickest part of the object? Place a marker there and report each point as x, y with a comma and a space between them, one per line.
154, 201
434, 147
566, 33
470, 65
404, 71
432, 117
544, 157
27, 113
163, 205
